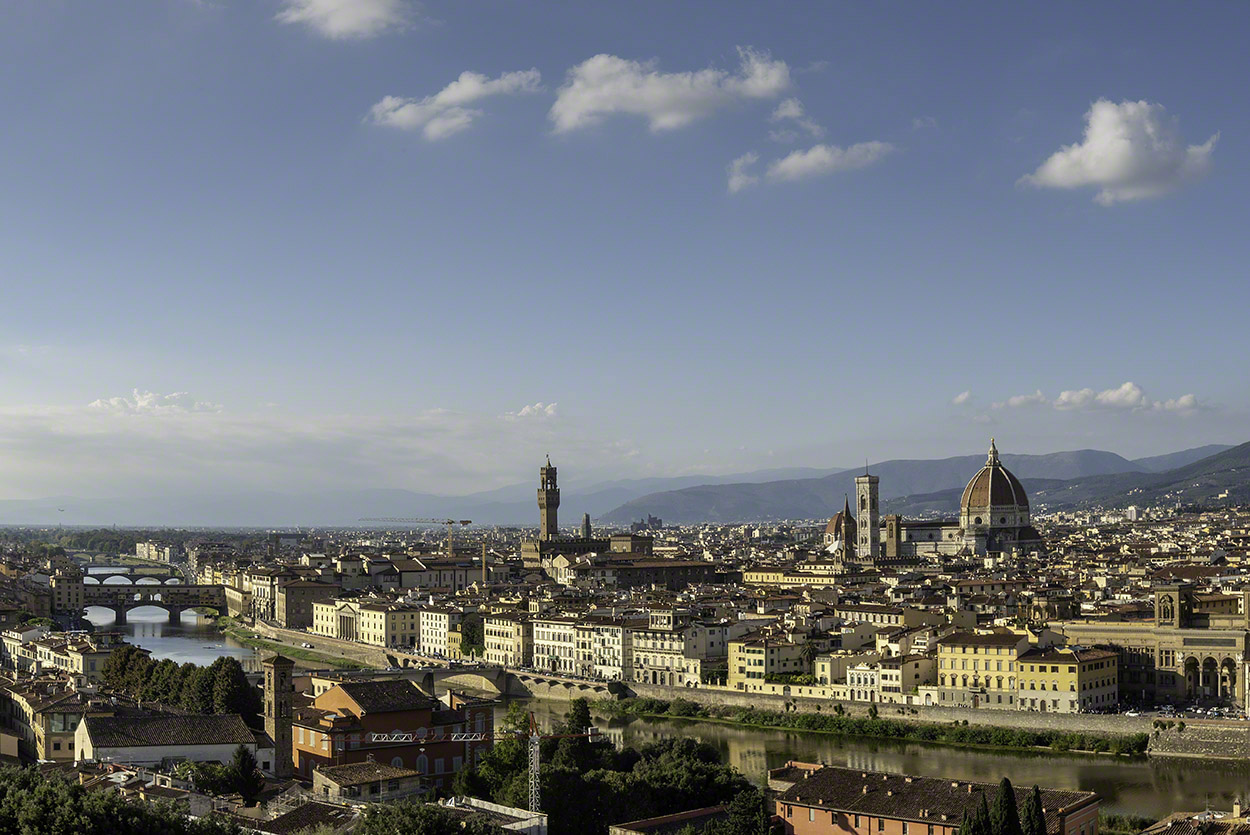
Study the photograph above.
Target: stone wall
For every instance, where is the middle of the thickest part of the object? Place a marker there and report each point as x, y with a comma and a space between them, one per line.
1208, 740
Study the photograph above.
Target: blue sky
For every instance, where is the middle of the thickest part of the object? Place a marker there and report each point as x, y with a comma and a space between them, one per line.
270, 244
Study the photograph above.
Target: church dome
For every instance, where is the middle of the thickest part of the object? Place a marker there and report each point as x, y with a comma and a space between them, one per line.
834, 528
993, 496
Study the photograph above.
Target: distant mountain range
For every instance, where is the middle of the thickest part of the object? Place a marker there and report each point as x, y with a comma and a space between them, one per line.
1058, 480
915, 486
512, 505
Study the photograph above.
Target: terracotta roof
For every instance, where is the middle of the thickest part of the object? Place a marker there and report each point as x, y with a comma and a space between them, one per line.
388, 695
994, 486
925, 799
351, 774
192, 729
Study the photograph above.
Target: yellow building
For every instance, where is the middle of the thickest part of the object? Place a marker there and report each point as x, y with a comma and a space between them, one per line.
979, 669
509, 639
1068, 680
753, 660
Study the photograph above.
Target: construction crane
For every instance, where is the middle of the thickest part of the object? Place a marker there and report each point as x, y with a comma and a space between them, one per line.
403, 520
533, 735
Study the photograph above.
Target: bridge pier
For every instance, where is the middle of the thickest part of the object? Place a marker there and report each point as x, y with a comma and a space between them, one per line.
119, 613
175, 614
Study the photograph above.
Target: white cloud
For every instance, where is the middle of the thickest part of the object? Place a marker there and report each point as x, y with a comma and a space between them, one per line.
820, 160
1184, 403
1126, 397
1131, 150
150, 403
445, 113
606, 85
791, 110
924, 123
1021, 400
342, 19
961, 398
739, 175
533, 410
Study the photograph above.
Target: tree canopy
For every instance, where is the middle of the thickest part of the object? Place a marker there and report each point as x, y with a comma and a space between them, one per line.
33, 803
588, 785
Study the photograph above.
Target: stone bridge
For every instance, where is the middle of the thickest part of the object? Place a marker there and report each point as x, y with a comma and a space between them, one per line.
131, 579
508, 682
173, 599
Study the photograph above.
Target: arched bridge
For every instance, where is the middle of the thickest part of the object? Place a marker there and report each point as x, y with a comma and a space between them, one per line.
131, 579
174, 599
508, 682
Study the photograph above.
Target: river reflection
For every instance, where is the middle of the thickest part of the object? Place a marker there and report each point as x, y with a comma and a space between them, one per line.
192, 639
1153, 787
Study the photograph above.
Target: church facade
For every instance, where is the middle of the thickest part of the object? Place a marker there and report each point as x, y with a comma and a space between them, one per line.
993, 518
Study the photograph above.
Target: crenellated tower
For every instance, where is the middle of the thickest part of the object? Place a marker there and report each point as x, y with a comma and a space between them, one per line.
548, 503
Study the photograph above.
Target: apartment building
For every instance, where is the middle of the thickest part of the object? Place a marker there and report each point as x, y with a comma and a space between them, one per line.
509, 639
979, 669
1068, 679
753, 660
555, 644
824, 800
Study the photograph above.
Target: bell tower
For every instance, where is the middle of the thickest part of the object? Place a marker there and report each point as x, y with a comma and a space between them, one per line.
867, 519
548, 503
278, 694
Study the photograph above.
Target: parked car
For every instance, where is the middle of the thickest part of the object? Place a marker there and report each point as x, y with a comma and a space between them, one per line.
306, 645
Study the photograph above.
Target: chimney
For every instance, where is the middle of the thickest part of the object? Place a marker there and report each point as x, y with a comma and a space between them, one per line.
865, 788
969, 788
1237, 808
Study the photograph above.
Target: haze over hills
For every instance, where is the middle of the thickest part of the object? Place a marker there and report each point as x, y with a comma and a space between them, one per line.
928, 485
511, 505
1062, 479
1163, 463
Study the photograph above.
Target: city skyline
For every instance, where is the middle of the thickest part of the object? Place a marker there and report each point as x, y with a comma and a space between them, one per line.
419, 246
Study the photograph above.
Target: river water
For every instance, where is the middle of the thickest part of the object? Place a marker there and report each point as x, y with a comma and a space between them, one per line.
1146, 786
193, 638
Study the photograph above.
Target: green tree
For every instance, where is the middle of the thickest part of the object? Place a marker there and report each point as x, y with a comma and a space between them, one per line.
231, 691
1004, 816
1033, 821
117, 664
421, 819
981, 819
472, 639
245, 775
34, 803
197, 691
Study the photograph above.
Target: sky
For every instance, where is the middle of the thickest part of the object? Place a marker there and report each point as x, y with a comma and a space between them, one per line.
303, 244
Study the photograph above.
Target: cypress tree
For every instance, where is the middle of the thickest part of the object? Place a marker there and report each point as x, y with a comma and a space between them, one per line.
1004, 816
981, 820
965, 826
1033, 821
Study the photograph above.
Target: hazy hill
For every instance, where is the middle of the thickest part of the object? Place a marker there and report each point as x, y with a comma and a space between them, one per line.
1163, 463
816, 497
511, 505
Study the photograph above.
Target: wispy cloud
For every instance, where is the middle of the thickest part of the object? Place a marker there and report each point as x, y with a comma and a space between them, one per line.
347, 19
605, 85
739, 170
446, 112
1131, 150
533, 410
1127, 396
822, 160
790, 114
150, 403
145, 443
961, 398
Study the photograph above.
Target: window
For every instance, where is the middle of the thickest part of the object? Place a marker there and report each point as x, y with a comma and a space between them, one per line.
811, 816
881, 824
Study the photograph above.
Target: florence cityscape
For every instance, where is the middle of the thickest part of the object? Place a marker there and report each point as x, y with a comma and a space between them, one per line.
674, 418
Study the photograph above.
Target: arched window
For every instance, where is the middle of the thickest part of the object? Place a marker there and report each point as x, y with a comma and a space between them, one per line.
398, 762
423, 764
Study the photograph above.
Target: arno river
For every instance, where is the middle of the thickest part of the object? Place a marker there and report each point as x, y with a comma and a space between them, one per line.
1152, 787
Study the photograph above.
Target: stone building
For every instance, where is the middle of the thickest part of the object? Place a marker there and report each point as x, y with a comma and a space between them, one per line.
1187, 653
